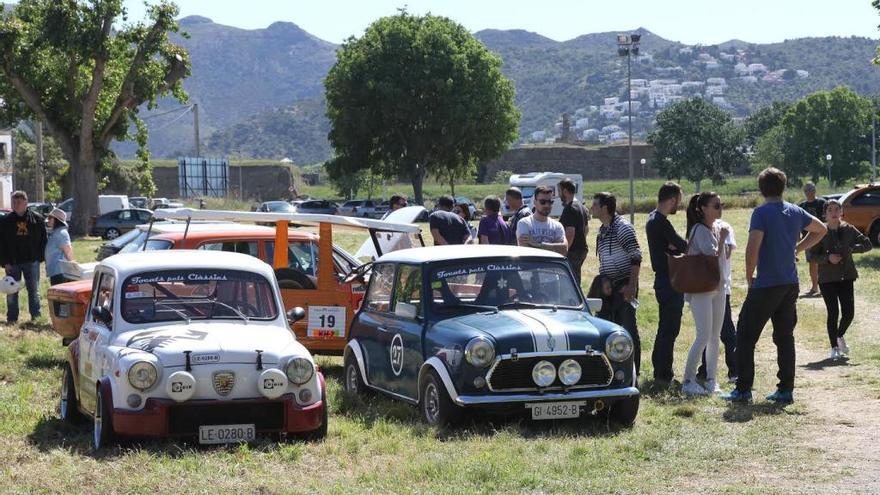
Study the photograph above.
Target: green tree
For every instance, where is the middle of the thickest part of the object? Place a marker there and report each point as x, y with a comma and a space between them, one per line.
54, 165
764, 119
836, 123
696, 140
769, 149
415, 95
64, 63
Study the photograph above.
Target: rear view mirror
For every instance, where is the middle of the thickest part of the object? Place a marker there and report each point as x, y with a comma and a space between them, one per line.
102, 314
595, 305
296, 314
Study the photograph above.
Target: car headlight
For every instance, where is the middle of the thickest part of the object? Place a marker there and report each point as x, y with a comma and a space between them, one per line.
479, 352
619, 346
300, 370
142, 375
544, 374
569, 372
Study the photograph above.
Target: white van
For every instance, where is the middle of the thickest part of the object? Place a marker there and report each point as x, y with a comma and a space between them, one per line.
528, 182
112, 202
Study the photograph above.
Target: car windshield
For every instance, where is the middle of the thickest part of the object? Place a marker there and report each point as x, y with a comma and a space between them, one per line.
125, 238
527, 191
280, 206
504, 284
197, 294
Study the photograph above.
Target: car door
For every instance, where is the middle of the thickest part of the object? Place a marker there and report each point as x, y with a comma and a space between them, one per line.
371, 328
863, 208
93, 338
405, 349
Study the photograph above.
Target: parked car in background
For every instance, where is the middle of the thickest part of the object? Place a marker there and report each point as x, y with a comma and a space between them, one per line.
112, 202
157, 203
115, 245
861, 209
139, 202
111, 225
316, 206
42, 209
358, 208
190, 344
275, 206
472, 208
67, 206
501, 329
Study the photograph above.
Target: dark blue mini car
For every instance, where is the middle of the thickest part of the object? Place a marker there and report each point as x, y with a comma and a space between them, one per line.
497, 328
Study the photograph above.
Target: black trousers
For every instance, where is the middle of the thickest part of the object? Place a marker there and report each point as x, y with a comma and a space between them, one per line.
728, 338
779, 305
838, 293
57, 279
576, 261
624, 314
671, 304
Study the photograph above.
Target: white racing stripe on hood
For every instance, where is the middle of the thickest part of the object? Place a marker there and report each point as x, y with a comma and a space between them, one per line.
548, 336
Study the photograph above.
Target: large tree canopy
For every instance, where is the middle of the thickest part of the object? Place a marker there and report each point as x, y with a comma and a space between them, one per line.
696, 140
417, 95
80, 68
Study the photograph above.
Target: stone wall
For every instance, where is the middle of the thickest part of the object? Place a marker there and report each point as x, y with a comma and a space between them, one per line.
258, 182
608, 162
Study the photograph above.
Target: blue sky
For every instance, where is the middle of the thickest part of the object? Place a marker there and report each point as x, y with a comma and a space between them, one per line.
689, 21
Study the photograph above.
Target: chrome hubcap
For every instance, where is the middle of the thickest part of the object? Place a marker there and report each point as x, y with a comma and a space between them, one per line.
352, 378
99, 423
432, 403
64, 392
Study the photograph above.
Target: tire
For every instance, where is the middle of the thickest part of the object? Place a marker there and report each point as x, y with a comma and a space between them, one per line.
875, 234
111, 233
69, 405
103, 435
353, 380
289, 278
435, 405
624, 412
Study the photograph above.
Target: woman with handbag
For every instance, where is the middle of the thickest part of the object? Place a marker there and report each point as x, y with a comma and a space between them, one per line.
837, 273
706, 239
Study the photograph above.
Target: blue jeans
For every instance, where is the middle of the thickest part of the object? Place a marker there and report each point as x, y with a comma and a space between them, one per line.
31, 272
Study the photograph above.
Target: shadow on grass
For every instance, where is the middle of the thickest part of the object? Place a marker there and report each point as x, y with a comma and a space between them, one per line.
42, 361
743, 413
826, 363
372, 407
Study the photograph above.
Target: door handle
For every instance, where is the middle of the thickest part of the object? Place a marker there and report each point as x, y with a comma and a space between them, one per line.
383, 329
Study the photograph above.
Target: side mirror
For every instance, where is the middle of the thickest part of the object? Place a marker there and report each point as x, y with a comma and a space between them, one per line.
102, 314
595, 305
296, 314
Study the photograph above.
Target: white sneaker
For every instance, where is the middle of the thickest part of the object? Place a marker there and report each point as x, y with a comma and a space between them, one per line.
835, 354
693, 389
841, 344
712, 387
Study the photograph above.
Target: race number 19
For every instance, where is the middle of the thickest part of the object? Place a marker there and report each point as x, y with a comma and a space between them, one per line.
326, 321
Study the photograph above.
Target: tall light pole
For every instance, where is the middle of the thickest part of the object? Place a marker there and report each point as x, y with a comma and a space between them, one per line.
627, 46
873, 144
828, 160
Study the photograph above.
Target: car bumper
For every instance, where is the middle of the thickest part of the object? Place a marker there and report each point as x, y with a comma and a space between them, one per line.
168, 418
605, 395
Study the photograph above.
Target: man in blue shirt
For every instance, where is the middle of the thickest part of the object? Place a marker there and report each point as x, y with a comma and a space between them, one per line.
774, 241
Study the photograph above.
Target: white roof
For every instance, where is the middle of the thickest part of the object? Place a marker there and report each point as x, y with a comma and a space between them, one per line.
307, 219
465, 251
175, 227
184, 259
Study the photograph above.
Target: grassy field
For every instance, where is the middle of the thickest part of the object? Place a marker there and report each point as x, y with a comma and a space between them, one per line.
824, 443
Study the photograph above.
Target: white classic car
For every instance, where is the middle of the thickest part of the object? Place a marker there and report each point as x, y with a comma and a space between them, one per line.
191, 344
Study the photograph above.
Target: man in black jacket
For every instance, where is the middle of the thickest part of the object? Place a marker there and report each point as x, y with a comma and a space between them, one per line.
663, 239
22, 246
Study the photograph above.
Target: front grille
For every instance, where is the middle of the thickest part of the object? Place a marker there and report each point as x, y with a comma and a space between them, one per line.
510, 375
185, 419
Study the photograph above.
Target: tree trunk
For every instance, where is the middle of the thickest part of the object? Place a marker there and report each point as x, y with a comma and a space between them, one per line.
85, 183
418, 178
452, 183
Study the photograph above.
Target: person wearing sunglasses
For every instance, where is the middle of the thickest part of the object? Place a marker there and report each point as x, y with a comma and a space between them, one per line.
539, 230
706, 237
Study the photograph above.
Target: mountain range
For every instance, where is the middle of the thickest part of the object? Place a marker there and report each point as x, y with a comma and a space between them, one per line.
260, 92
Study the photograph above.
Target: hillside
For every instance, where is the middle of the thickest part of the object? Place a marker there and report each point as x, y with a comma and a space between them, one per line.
260, 91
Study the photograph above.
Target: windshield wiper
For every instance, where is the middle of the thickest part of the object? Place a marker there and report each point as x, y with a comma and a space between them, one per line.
484, 307
168, 304
227, 306
525, 304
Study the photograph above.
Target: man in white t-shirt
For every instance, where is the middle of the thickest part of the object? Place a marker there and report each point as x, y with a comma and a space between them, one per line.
539, 230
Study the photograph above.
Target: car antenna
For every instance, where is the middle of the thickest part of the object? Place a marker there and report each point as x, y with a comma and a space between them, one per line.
186, 229
149, 230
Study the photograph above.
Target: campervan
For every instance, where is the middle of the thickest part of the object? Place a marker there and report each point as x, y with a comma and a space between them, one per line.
528, 182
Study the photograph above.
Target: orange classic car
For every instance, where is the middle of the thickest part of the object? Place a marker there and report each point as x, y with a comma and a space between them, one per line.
861, 209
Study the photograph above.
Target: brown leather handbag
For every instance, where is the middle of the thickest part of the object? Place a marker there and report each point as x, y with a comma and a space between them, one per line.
692, 274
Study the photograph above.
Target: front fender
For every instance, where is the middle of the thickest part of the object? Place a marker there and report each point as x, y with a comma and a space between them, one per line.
434, 363
353, 347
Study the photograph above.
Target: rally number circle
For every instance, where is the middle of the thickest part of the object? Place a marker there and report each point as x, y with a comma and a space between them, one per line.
397, 354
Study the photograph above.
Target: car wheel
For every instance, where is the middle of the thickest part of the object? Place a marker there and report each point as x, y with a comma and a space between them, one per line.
435, 404
69, 406
111, 233
624, 412
288, 278
875, 234
103, 432
354, 382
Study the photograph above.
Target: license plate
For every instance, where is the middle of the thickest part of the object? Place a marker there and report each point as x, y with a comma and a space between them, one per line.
556, 410
209, 434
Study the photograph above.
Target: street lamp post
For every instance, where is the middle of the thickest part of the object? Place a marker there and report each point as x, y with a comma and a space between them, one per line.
627, 46
828, 160
643, 162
